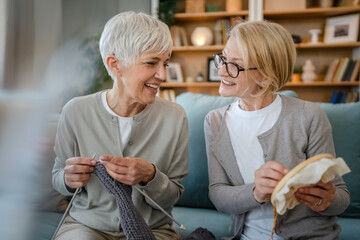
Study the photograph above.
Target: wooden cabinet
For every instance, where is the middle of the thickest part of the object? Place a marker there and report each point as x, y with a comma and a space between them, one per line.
195, 59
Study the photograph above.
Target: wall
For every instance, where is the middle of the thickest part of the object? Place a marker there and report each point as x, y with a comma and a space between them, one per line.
2, 39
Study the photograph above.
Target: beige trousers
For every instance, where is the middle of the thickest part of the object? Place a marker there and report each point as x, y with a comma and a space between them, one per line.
71, 230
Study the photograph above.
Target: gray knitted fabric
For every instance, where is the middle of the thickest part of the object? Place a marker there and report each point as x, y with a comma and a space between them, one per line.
132, 223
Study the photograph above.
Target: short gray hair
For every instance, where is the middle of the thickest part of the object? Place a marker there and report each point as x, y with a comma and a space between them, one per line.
128, 35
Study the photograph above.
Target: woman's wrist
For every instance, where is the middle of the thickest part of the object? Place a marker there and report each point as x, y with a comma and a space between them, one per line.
150, 176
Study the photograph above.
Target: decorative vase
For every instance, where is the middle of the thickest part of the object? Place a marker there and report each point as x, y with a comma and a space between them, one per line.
308, 74
296, 77
233, 5
314, 35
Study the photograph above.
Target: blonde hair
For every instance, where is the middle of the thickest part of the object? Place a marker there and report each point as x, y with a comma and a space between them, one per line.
128, 35
270, 48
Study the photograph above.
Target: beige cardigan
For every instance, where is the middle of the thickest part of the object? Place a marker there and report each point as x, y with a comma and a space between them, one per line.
159, 135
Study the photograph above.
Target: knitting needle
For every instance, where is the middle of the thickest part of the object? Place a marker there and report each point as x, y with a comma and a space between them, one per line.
182, 227
67, 209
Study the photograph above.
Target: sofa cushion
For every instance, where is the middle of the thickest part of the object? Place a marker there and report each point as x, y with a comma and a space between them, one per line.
349, 228
192, 218
197, 182
345, 122
44, 225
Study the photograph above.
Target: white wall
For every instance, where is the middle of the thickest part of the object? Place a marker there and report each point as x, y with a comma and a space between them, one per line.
48, 35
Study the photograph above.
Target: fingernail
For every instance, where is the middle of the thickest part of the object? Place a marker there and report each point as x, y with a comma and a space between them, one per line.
101, 161
93, 162
91, 169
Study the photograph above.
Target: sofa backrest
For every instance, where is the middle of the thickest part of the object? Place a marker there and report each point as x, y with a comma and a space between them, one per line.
345, 122
197, 182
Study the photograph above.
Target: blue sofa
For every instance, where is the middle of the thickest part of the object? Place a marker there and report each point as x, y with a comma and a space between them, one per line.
194, 209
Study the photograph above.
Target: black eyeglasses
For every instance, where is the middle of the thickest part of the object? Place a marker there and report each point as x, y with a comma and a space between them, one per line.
232, 68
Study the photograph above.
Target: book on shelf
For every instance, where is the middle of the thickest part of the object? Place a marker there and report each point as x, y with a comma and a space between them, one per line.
348, 70
331, 70
344, 97
342, 69
178, 36
168, 94
354, 76
226, 24
334, 97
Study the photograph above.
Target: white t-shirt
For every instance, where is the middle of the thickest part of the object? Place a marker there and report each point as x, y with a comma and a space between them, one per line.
125, 123
244, 128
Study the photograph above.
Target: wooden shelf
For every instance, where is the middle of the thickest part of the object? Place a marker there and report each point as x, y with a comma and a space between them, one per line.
195, 59
208, 15
219, 48
192, 84
290, 84
328, 45
311, 12
322, 84
199, 49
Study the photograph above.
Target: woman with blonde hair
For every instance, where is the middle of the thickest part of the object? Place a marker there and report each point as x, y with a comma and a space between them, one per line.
252, 143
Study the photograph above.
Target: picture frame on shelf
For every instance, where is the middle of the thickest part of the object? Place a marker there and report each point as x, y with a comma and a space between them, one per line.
174, 73
342, 29
213, 75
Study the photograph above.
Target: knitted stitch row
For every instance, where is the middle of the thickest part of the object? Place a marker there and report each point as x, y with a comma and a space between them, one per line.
132, 223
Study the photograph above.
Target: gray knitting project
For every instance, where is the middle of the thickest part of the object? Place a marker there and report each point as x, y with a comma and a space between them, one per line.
132, 223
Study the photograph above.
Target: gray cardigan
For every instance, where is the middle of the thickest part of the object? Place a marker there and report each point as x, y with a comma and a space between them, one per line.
159, 135
301, 131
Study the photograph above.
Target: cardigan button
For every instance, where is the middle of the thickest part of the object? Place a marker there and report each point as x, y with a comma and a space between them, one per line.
130, 142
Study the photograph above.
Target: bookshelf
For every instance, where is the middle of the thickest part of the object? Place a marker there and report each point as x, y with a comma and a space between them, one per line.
195, 59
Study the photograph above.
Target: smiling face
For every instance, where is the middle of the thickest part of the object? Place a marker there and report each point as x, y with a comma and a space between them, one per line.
239, 86
140, 82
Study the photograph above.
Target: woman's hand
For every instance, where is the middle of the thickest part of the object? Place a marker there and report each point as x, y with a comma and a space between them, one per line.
318, 196
128, 170
266, 178
78, 171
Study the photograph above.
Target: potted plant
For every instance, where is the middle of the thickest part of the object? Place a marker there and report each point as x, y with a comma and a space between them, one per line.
166, 11
296, 77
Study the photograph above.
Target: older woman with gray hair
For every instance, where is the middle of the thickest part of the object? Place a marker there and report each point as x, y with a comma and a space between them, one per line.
140, 139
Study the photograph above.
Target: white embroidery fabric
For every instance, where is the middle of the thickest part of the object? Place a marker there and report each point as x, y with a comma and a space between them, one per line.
325, 169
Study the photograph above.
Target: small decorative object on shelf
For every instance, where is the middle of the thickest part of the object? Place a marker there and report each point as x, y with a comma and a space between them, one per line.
190, 79
212, 8
296, 38
233, 5
325, 3
201, 36
200, 77
308, 70
296, 77
314, 35
194, 6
